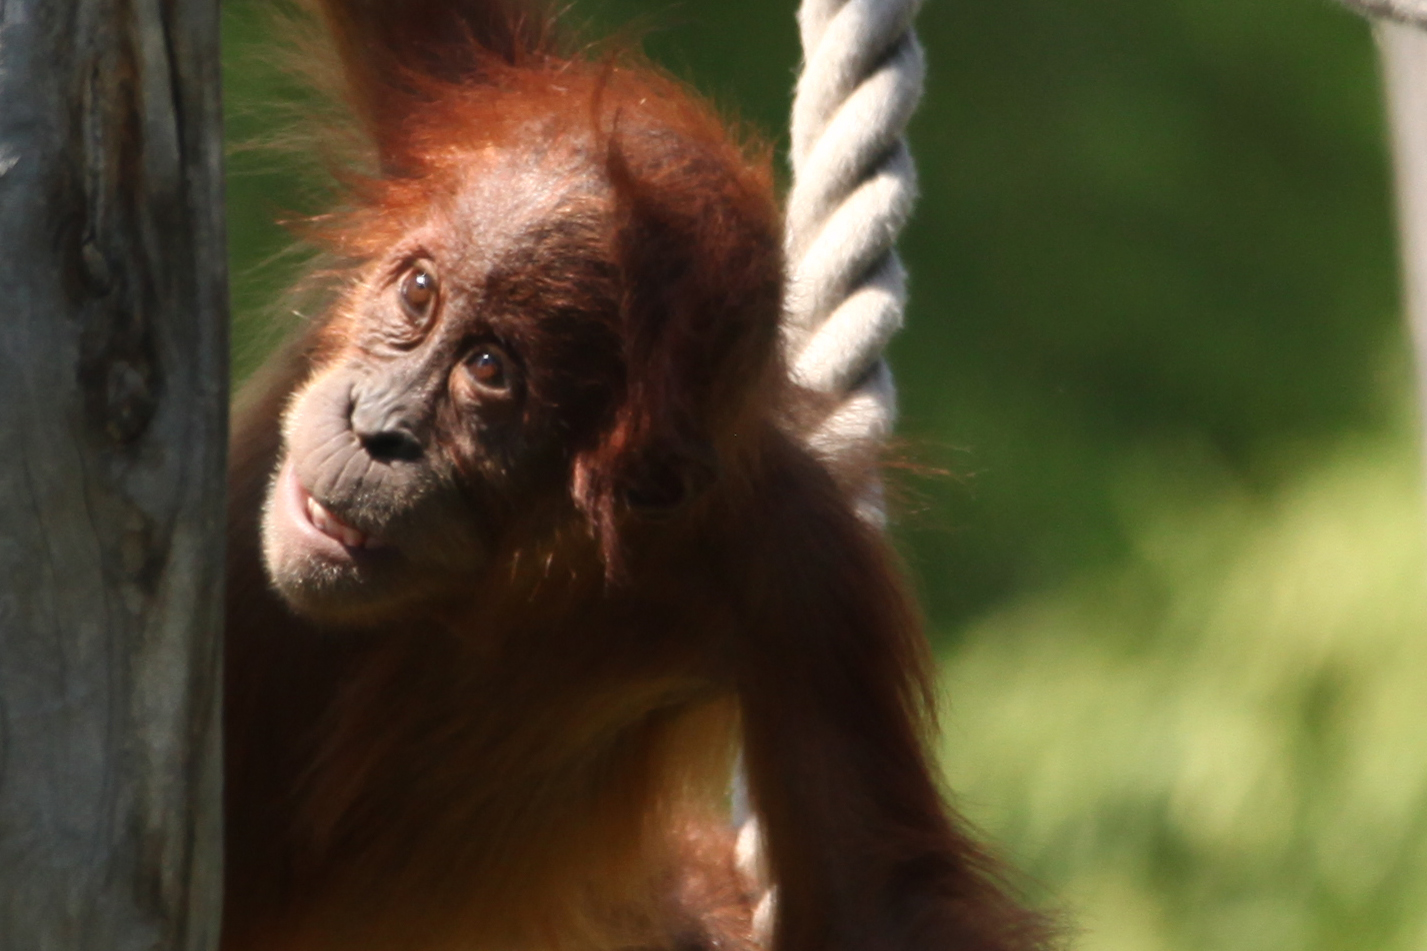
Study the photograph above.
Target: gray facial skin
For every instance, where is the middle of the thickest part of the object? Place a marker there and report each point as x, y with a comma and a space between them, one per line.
442, 405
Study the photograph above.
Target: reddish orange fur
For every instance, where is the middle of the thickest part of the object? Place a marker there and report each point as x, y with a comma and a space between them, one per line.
541, 762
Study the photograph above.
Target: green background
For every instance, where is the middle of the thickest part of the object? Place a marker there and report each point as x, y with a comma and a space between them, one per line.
1176, 572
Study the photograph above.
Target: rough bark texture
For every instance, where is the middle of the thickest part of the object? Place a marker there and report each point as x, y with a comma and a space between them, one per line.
112, 422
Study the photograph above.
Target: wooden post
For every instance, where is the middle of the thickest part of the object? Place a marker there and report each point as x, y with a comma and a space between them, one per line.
113, 402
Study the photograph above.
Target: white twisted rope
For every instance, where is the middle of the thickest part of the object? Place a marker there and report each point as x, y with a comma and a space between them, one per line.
854, 185
1406, 11
1401, 30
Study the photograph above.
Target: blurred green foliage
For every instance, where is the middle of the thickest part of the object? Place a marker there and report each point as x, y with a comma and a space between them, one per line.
1177, 577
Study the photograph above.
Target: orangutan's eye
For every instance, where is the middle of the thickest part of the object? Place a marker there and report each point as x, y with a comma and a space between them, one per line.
418, 292
488, 368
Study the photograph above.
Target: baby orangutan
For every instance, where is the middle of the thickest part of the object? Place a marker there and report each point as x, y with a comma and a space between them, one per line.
524, 547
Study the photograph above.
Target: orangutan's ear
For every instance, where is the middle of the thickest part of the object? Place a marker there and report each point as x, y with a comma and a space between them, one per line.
663, 480
641, 480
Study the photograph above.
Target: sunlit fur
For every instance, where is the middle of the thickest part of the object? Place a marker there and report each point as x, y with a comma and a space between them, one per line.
509, 721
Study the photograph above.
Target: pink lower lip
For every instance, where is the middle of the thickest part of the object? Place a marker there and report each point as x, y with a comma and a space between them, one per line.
294, 499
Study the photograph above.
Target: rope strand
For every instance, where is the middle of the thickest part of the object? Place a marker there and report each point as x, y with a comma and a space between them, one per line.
854, 185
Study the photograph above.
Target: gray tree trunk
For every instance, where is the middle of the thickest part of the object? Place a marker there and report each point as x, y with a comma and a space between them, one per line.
112, 441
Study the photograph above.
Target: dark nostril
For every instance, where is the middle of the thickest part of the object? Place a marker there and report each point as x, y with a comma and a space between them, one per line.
390, 445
